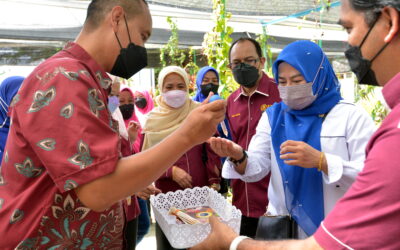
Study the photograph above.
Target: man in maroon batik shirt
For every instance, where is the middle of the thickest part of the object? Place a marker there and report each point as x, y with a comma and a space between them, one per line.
368, 216
245, 106
62, 176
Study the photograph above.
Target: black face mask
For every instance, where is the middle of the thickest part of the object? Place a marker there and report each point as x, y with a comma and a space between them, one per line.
207, 88
140, 102
127, 110
130, 60
361, 66
246, 75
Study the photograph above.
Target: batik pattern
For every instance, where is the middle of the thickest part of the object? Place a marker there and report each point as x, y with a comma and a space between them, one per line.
95, 103
70, 225
67, 111
16, 216
105, 83
47, 144
82, 158
42, 99
28, 169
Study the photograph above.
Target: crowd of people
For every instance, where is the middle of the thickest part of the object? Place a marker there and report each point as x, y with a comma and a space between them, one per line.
81, 153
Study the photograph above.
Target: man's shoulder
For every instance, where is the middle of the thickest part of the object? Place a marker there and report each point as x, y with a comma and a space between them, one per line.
53, 72
61, 61
392, 120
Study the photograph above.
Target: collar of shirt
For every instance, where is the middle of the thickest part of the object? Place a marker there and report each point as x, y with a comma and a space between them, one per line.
391, 91
262, 88
97, 71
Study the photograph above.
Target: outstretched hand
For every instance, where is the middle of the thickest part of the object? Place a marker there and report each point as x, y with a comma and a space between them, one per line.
202, 122
224, 148
220, 237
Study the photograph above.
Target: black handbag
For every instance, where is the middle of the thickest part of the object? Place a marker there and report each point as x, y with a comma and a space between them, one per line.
276, 228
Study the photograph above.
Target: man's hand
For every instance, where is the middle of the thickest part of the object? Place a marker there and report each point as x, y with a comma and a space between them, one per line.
300, 154
150, 190
224, 148
133, 129
220, 237
181, 177
202, 122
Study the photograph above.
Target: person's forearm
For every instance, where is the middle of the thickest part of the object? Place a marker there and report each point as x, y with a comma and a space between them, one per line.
307, 244
324, 165
133, 174
241, 168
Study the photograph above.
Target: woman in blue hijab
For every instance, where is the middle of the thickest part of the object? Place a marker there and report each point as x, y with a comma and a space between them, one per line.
207, 81
313, 143
8, 89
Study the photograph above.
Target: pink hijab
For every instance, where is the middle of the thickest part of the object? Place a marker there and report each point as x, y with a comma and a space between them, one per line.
150, 103
136, 144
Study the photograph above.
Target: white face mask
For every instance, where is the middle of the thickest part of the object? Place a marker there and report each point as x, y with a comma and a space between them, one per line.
175, 98
297, 97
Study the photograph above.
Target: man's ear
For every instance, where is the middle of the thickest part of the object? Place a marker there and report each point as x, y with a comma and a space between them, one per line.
391, 16
262, 62
117, 16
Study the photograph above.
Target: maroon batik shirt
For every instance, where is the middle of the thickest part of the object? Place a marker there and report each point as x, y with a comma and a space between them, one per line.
62, 136
243, 113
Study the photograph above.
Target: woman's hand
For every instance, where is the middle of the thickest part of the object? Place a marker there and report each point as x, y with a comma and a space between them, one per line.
181, 177
224, 148
146, 193
133, 129
301, 154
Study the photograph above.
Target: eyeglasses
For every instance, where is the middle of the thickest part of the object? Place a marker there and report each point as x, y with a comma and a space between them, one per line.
248, 61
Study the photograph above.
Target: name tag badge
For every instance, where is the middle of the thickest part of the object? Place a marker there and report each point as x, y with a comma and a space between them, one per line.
264, 107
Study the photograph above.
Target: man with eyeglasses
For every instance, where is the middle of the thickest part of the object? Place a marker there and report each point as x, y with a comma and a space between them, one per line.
244, 108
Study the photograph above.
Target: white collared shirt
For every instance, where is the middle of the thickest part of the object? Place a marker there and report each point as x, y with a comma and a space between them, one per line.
344, 136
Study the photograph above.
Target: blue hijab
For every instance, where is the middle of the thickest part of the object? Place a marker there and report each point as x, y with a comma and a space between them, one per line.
303, 187
200, 76
8, 89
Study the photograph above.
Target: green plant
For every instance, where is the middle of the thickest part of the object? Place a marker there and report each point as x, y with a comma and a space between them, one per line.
366, 96
171, 54
216, 46
264, 39
192, 69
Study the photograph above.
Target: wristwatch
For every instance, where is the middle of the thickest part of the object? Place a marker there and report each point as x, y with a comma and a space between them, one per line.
238, 162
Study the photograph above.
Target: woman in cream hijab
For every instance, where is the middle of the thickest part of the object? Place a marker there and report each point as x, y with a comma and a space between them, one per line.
200, 165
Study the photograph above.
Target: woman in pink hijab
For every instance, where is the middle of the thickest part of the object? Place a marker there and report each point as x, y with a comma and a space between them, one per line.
127, 107
143, 101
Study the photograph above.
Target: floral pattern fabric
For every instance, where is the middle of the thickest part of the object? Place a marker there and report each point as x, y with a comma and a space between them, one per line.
62, 136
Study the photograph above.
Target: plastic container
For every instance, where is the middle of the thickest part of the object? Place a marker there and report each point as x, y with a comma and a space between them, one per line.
184, 235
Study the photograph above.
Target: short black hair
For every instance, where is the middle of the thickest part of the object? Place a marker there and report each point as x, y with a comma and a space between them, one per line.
372, 8
242, 39
98, 9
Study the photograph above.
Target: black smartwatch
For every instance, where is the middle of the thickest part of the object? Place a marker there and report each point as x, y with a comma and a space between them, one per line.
240, 161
